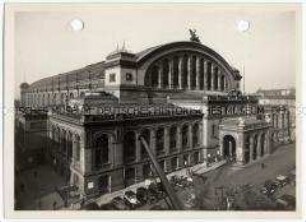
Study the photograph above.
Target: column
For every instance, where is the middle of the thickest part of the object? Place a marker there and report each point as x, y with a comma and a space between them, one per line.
198, 73
205, 75
170, 72
180, 71
160, 73
189, 70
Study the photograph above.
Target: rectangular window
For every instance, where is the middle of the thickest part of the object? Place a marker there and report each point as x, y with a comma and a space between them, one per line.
129, 77
112, 77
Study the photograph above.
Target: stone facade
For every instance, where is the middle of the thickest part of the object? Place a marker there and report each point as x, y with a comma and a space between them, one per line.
183, 97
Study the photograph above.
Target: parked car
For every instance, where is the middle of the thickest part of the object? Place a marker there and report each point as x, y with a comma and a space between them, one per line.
269, 187
153, 194
108, 206
119, 204
142, 195
131, 199
286, 202
91, 206
283, 180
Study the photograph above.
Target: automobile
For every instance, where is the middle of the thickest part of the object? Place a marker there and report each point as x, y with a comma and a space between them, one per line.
269, 187
142, 195
153, 194
119, 204
108, 206
286, 202
131, 199
91, 206
283, 180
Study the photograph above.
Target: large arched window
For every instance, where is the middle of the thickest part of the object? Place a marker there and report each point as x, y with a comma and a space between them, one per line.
160, 141
215, 75
101, 151
173, 138
165, 73
175, 79
195, 134
184, 72
208, 79
129, 147
201, 73
154, 77
222, 83
185, 137
193, 72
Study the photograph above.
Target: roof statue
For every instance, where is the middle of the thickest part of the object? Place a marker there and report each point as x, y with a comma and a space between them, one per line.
193, 36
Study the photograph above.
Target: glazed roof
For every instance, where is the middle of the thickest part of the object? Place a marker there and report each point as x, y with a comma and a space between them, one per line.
96, 70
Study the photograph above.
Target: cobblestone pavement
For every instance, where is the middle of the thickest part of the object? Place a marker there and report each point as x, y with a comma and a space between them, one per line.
282, 161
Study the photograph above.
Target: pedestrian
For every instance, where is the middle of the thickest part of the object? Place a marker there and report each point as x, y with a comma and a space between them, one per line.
54, 205
262, 165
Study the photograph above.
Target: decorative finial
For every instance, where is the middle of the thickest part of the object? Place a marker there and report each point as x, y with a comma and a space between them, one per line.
193, 36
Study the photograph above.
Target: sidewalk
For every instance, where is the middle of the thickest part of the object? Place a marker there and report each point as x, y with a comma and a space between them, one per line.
197, 169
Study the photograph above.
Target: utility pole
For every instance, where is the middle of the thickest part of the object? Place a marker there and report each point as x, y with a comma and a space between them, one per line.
175, 201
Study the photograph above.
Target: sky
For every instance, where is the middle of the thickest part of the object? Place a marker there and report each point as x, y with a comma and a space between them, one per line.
45, 44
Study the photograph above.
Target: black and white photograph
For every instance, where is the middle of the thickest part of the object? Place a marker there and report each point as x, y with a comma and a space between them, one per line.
154, 107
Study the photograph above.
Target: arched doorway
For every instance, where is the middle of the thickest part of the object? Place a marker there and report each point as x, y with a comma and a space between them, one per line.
229, 147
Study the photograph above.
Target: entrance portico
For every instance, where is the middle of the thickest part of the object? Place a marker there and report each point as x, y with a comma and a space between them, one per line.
244, 140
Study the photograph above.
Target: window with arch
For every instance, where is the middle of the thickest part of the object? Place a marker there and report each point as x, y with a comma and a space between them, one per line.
69, 145
175, 80
101, 150
195, 134
165, 71
184, 72
208, 79
185, 130
222, 83
63, 142
193, 72
173, 138
129, 147
160, 141
201, 77
215, 78
196, 157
